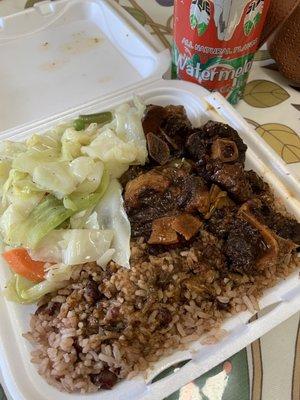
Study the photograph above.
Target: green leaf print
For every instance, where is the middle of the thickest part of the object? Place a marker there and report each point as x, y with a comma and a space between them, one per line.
239, 62
256, 19
248, 27
195, 60
235, 96
201, 28
212, 61
175, 54
193, 21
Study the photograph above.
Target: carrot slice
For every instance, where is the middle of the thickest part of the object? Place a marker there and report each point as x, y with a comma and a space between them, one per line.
22, 264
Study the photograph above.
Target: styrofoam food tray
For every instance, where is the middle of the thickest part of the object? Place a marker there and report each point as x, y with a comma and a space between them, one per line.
20, 376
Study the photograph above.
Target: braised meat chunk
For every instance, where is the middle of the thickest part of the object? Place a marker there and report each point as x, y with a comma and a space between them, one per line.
166, 129
224, 150
258, 186
157, 149
151, 181
230, 177
133, 172
277, 248
186, 225
177, 202
217, 130
194, 195
243, 247
282, 225
217, 141
163, 232
220, 221
176, 127
164, 192
197, 147
153, 118
285, 227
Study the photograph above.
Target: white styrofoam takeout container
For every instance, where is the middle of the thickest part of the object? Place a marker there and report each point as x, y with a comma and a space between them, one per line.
80, 56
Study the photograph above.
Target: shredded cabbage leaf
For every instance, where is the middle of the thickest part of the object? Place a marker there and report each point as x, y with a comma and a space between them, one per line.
73, 246
56, 178
121, 142
112, 215
9, 150
56, 278
49, 214
21, 290
15, 287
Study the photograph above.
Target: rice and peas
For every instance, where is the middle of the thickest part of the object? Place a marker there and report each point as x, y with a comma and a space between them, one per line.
84, 341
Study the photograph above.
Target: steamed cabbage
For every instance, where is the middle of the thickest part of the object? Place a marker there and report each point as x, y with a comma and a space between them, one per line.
111, 215
72, 141
121, 142
60, 198
73, 246
9, 150
56, 278
5, 167
51, 213
21, 290
56, 177
32, 158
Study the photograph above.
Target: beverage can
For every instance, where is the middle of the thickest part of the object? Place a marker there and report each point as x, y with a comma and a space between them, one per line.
214, 42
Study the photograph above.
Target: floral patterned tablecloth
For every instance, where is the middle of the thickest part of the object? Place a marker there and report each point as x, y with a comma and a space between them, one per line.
268, 369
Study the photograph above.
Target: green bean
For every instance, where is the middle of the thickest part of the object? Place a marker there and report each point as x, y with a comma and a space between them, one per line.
99, 118
79, 124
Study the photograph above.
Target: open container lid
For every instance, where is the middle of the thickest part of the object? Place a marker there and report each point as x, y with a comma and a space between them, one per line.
60, 55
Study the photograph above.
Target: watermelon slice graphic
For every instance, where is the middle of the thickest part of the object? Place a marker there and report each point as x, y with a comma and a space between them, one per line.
200, 15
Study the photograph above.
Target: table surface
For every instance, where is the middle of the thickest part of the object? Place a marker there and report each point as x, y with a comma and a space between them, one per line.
272, 105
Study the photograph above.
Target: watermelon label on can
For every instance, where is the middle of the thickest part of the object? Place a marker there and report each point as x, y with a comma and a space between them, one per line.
214, 42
